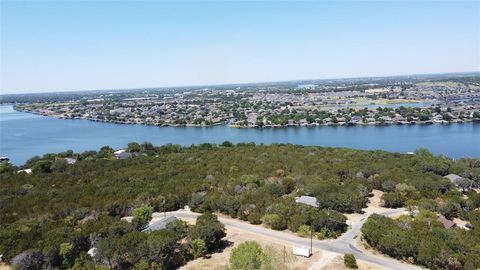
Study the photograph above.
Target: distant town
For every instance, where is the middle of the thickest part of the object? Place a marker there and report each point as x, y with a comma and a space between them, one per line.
403, 100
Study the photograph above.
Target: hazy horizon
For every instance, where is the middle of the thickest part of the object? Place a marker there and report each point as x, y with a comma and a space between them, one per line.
80, 46
234, 83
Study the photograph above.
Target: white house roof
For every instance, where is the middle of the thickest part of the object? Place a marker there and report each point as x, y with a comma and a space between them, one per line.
453, 177
308, 200
70, 161
92, 252
127, 219
160, 224
25, 171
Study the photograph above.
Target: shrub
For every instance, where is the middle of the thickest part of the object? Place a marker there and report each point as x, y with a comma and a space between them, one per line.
304, 230
209, 229
248, 255
450, 209
274, 221
350, 261
28, 260
393, 199
326, 233
141, 216
255, 218
198, 248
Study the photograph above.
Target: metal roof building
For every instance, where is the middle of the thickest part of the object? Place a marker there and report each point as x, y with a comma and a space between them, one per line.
308, 200
160, 224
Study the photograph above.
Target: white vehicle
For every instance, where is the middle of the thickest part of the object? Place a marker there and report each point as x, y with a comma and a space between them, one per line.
301, 251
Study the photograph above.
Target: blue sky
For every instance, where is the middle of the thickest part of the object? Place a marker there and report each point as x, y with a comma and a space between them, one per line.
61, 46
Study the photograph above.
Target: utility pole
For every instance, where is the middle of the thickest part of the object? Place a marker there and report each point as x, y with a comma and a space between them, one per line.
311, 241
164, 207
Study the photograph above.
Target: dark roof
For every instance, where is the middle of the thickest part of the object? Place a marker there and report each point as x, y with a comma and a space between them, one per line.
446, 222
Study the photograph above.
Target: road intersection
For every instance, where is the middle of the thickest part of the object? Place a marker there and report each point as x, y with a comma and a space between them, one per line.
347, 243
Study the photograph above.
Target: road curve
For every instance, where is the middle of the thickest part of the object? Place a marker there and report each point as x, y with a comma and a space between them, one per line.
344, 244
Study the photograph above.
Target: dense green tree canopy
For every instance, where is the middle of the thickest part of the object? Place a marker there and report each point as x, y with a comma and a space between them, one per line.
62, 211
425, 241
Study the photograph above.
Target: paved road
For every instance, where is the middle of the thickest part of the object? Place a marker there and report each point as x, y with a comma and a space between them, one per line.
344, 244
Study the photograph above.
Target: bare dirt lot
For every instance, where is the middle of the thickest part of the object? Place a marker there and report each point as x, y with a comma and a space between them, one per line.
319, 261
220, 260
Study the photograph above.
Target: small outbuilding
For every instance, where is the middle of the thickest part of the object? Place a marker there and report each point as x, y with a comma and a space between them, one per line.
308, 200
453, 177
160, 224
446, 222
27, 171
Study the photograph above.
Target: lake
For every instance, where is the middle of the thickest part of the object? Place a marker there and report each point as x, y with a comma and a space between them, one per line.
24, 135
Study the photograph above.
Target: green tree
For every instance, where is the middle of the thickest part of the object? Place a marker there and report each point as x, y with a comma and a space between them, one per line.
248, 255
411, 206
141, 216
423, 152
66, 251
474, 218
198, 248
227, 144
131, 248
161, 246
59, 165
465, 184
274, 221
393, 199
450, 209
134, 147
105, 152
304, 230
106, 250
142, 265
84, 262
209, 229
28, 260
179, 229
42, 166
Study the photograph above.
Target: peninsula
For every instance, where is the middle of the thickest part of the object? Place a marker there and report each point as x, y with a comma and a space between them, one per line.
421, 99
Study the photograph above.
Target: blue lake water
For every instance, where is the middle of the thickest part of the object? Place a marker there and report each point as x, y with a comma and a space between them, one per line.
24, 135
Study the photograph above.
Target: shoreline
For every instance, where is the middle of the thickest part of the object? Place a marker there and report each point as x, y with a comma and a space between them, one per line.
310, 125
